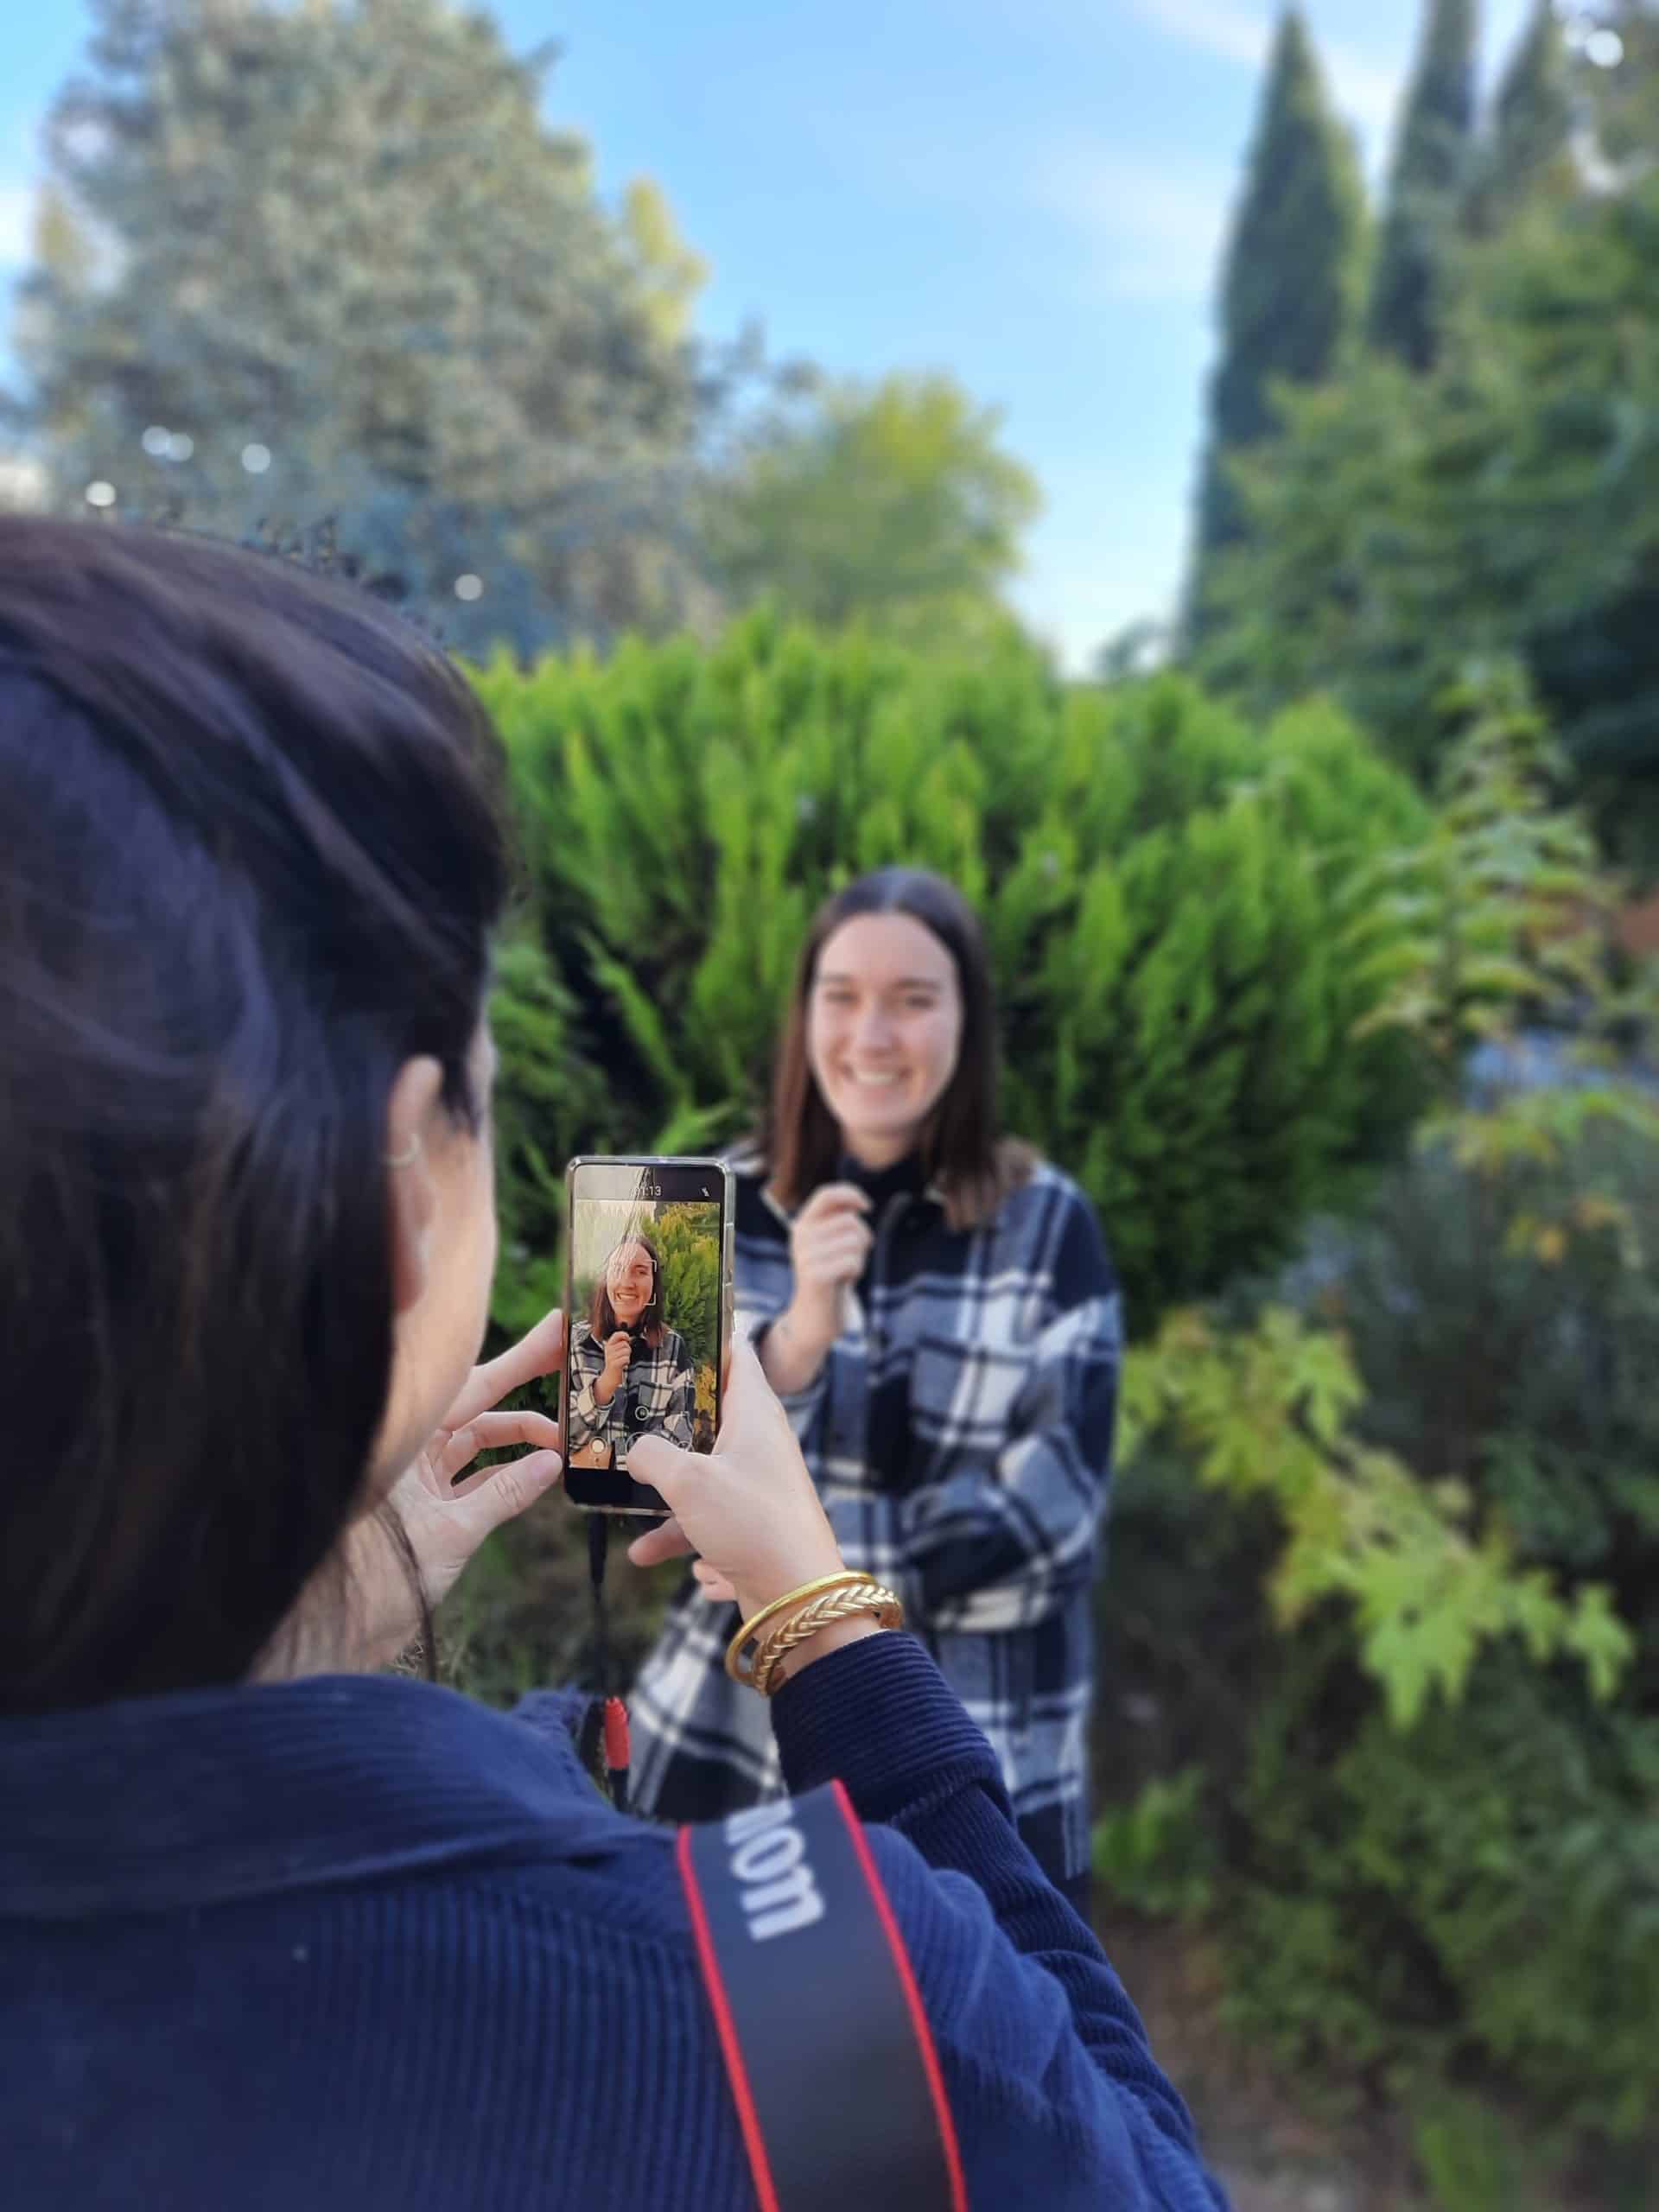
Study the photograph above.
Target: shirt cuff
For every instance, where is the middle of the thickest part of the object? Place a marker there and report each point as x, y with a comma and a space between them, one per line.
879, 1716
590, 1409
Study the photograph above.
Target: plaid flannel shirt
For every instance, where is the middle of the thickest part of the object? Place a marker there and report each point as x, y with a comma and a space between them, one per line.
659, 1387
960, 1434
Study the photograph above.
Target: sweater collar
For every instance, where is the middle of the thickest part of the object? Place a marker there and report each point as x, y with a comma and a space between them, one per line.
905, 1179
192, 1798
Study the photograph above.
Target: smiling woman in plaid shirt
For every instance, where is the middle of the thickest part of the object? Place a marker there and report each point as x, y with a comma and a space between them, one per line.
632, 1373
936, 1308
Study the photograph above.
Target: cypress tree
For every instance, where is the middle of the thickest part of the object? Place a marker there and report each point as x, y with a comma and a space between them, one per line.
1532, 123
1288, 284
1428, 187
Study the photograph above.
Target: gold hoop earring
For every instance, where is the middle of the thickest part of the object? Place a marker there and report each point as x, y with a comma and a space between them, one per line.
408, 1156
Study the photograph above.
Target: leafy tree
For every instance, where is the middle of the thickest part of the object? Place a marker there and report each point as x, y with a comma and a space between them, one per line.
1427, 186
1290, 284
893, 504
332, 254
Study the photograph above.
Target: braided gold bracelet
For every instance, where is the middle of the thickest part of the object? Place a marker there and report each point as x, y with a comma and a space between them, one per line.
870, 1598
849, 1578
752, 1627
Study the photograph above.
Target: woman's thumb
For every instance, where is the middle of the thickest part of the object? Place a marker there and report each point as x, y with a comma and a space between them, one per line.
653, 1459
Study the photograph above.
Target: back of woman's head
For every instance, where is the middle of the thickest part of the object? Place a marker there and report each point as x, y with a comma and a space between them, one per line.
249, 866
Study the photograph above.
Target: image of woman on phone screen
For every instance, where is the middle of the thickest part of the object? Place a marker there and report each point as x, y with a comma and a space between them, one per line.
631, 1374
936, 1307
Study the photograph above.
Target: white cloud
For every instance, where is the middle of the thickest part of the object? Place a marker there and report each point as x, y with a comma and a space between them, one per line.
17, 221
1153, 230
1237, 34
1365, 89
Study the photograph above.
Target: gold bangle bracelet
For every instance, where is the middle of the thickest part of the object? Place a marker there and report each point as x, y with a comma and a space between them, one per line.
753, 1626
833, 1606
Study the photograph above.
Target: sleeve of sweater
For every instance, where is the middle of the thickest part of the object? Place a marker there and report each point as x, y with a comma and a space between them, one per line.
588, 1419
1050, 2063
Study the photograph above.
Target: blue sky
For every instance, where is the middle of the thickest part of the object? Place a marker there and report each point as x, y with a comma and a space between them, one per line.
1031, 193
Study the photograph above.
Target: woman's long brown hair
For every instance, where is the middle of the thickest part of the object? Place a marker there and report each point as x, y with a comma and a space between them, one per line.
964, 1151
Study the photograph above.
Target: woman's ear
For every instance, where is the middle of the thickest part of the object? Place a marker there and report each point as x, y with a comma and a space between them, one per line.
412, 1193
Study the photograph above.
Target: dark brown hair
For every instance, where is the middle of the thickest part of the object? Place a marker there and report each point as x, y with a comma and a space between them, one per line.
250, 864
601, 1314
964, 1149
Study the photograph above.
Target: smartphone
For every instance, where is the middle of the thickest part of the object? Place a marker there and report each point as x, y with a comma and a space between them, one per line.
648, 1314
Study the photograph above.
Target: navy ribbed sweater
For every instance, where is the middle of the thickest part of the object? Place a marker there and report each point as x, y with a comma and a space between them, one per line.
357, 1942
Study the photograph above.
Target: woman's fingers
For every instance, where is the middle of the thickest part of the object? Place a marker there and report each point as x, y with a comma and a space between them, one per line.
832, 1200
667, 1541
713, 1583
833, 1263
537, 1353
501, 1494
844, 1234
492, 1432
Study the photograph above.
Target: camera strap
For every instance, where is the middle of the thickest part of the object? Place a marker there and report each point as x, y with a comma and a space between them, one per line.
831, 2061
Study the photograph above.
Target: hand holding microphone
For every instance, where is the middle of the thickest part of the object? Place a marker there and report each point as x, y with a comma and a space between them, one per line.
829, 1249
619, 1350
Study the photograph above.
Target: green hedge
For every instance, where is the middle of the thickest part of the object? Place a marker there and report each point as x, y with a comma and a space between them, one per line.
1173, 899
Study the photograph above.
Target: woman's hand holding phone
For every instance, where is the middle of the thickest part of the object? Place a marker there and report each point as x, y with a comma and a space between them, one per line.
445, 1514
619, 1350
829, 1249
747, 1509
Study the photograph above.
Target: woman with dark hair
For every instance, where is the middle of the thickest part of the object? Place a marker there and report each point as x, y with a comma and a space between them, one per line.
276, 1930
936, 1307
632, 1374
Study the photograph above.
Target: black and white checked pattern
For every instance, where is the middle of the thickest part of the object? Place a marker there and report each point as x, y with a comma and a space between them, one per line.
960, 1434
659, 1385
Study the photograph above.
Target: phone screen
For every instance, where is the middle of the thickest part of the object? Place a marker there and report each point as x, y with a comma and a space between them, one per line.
646, 1318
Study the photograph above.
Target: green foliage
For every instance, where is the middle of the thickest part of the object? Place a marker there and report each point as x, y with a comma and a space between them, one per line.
1272, 1410
690, 1254
1290, 286
545, 1094
1481, 1888
1414, 1885
1406, 528
892, 504
1426, 187
1624, 101
1529, 147
1156, 1855
1171, 896
343, 234
1508, 910
1470, 2156
1440, 1797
